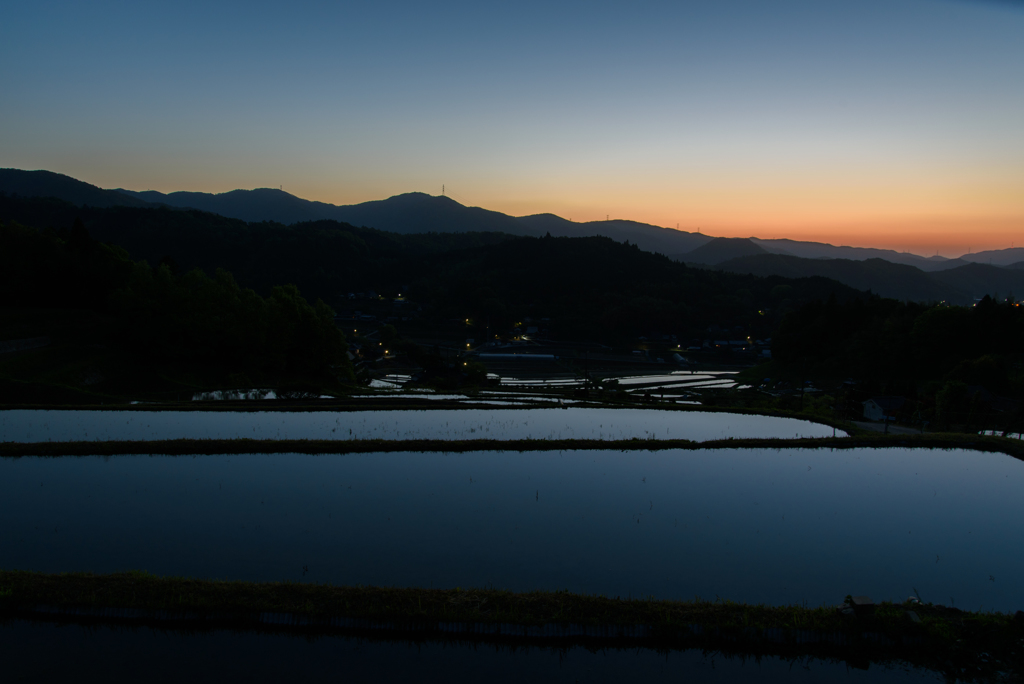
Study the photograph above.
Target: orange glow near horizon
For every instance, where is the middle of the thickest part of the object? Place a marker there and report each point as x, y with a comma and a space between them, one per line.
949, 235
948, 238
924, 213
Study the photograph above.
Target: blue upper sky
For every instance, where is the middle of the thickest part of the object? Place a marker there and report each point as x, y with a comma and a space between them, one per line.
791, 117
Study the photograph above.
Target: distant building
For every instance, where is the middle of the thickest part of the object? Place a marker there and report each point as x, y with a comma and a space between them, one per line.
880, 408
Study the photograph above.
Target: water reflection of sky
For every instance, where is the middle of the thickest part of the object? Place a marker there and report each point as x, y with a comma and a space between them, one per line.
773, 526
552, 423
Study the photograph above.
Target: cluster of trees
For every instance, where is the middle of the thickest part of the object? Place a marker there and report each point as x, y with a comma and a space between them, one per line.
957, 366
186, 322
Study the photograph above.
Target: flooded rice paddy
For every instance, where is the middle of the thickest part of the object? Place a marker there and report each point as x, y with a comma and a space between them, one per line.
446, 424
776, 526
674, 377
672, 380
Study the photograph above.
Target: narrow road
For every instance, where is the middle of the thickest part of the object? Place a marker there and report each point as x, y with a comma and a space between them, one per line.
893, 429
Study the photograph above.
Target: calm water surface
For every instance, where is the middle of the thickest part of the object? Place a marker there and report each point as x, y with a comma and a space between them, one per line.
567, 423
757, 525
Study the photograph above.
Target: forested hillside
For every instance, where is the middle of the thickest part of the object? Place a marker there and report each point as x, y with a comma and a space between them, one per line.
120, 326
594, 288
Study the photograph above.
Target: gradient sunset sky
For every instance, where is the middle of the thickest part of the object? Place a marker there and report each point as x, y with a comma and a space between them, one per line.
895, 123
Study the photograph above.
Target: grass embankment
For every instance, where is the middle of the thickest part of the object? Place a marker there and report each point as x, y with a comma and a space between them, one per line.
967, 645
182, 447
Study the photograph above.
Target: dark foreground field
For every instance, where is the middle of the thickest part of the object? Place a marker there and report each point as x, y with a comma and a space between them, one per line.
957, 645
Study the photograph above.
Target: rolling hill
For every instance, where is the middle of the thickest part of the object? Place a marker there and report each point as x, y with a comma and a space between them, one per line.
960, 285
996, 257
252, 206
49, 184
819, 250
983, 279
721, 249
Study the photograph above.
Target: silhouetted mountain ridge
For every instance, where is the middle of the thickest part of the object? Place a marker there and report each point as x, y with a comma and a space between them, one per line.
996, 257
960, 285
821, 250
418, 212
50, 184
252, 206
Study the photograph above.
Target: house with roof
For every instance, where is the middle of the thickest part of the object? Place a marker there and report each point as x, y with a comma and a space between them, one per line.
883, 408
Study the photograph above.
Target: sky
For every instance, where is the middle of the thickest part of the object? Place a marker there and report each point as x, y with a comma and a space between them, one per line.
887, 123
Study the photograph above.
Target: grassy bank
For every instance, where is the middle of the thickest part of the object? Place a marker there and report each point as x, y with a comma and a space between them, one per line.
967, 645
181, 447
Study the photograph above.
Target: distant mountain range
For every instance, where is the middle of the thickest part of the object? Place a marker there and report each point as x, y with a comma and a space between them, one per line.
416, 212
956, 281
883, 271
959, 285
818, 250
720, 250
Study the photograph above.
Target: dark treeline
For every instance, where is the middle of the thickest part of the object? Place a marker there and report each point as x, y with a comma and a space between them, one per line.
589, 288
186, 325
957, 366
